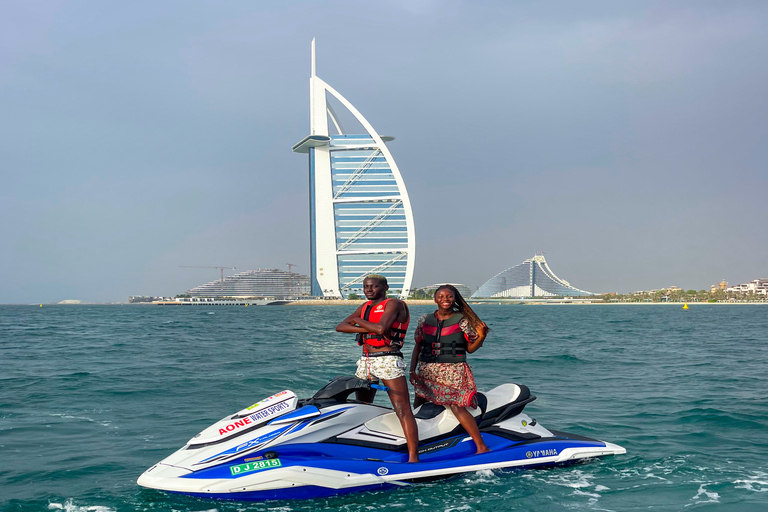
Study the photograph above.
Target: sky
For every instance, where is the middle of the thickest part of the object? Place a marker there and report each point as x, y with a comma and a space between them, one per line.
625, 140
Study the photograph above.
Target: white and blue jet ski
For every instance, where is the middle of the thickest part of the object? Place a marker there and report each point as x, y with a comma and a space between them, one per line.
284, 447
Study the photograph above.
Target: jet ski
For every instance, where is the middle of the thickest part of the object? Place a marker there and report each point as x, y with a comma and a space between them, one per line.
283, 447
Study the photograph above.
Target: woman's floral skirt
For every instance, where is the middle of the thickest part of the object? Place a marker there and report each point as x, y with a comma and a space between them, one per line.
446, 383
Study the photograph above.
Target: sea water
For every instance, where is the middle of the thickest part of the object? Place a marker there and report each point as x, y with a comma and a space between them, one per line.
91, 396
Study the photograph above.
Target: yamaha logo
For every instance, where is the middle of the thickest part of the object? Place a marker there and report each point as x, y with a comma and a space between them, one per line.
541, 453
382, 471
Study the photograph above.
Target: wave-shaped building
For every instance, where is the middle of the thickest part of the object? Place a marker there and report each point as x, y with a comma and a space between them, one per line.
531, 278
360, 215
268, 282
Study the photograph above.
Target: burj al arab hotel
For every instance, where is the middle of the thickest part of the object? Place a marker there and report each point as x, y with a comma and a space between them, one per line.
360, 215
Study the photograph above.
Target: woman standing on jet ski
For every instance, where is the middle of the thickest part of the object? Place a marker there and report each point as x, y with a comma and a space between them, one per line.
443, 376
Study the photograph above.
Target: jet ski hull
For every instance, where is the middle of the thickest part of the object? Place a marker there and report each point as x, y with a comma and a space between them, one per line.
299, 478
345, 447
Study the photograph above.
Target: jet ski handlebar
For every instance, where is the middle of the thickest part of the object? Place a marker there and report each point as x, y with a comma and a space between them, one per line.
339, 388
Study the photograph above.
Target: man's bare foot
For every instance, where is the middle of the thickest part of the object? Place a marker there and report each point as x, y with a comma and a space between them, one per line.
484, 449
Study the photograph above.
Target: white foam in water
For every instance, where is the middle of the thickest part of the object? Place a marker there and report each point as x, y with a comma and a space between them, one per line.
579, 492
756, 483
83, 418
482, 476
575, 479
462, 507
580, 482
69, 506
712, 497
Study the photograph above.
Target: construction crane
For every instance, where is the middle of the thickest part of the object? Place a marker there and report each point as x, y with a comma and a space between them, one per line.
289, 266
221, 268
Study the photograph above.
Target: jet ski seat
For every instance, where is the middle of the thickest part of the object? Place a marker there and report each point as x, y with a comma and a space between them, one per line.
433, 420
500, 409
429, 410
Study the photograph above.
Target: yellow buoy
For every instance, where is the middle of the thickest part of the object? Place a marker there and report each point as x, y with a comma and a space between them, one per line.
685, 305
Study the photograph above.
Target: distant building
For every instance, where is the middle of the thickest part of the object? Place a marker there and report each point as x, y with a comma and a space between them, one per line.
269, 282
757, 286
666, 290
531, 278
139, 299
463, 289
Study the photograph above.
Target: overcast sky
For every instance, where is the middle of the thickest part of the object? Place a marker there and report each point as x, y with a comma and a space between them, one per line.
626, 140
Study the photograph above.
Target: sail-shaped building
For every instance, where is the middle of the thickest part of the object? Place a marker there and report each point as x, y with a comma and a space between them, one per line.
360, 215
531, 278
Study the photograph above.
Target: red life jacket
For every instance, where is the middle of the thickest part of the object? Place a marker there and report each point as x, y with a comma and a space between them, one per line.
396, 331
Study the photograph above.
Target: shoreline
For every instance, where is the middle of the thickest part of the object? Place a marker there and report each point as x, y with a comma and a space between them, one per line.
428, 302
425, 302
344, 302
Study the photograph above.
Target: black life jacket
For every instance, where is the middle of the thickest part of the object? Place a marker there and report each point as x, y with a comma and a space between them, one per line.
443, 340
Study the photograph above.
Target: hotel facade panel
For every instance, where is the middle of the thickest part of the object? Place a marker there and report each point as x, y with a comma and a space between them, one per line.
531, 278
360, 214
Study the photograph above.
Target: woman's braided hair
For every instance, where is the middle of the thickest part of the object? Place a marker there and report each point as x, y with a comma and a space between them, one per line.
460, 305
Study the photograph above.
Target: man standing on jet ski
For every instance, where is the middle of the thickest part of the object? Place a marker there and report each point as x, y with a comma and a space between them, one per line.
380, 325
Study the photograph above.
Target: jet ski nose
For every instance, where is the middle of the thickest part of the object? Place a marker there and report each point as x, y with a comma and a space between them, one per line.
161, 476
615, 449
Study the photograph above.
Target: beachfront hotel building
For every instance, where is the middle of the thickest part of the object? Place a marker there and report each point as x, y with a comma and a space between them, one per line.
757, 286
266, 282
531, 278
360, 215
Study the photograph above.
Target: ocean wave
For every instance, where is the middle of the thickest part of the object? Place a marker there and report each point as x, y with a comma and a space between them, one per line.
66, 416
755, 483
718, 416
550, 359
576, 479
70, 506
482, 476
704, 496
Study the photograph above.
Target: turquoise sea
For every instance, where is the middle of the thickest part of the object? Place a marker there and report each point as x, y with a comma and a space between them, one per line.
91, 396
